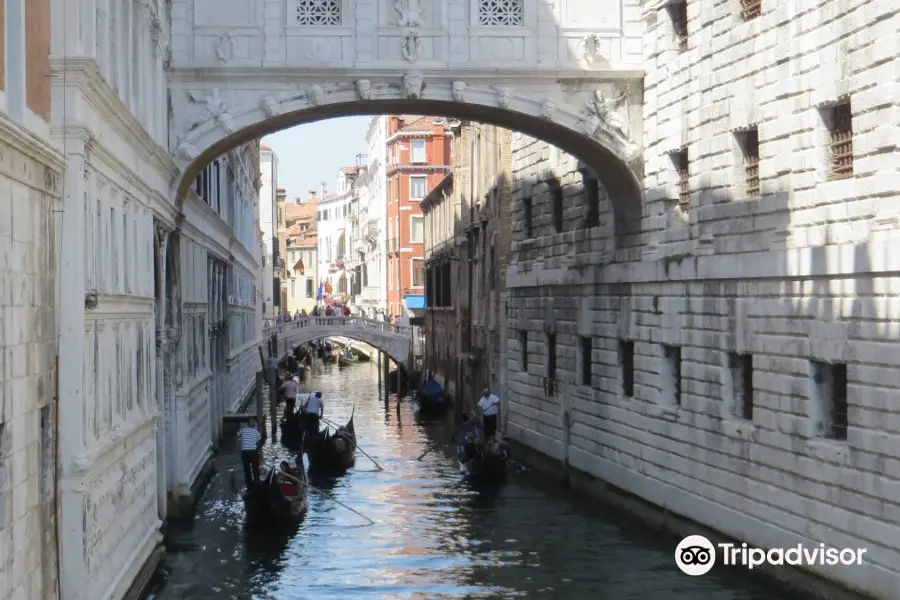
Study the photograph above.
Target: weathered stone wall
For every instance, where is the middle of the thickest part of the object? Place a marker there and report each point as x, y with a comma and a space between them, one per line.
30, 190
803, 274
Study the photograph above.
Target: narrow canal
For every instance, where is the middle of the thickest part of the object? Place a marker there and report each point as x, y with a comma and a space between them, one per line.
434, 537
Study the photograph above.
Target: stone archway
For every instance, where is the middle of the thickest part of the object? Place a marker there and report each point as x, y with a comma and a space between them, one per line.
596, 120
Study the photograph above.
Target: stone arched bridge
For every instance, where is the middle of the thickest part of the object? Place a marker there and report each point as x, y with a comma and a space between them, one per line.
393, 340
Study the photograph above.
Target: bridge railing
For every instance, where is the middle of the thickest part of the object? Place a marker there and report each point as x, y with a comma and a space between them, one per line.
338, 325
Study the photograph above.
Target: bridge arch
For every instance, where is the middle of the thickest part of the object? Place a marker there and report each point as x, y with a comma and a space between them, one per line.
394, 340
580, 116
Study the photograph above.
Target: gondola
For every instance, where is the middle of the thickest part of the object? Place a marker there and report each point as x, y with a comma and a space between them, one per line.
361, 357
431, 397
274, 501
480, 459
344, 361
332, 453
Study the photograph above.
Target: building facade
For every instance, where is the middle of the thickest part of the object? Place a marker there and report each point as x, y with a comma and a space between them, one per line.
731, 361
370, 240
301, 249
31, 202
268, 222
418, 158
333, 225
281, 261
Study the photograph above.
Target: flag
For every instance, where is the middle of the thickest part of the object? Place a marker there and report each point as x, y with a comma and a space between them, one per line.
320, 292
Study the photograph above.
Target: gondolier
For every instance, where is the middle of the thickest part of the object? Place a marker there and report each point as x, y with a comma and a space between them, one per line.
289, 390
490, 410
312, 412
250, 440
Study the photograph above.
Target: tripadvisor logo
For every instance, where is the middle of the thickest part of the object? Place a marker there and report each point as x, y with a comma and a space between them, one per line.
695, 555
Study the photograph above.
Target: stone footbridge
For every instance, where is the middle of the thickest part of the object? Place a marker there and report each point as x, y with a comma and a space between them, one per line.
393, 340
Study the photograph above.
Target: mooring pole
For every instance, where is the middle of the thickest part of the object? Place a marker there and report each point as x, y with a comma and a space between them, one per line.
273, 402
260, 415
387, 378
378, 368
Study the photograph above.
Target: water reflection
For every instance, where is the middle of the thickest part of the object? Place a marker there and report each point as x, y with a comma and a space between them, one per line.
436, 535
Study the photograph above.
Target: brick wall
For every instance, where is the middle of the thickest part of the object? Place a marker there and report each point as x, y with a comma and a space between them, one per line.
37, 57
29, 195
800, 274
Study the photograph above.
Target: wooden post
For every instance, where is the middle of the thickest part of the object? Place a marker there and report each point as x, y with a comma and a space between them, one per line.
260, 415
387, 376
262, 358
378, 368
273, 401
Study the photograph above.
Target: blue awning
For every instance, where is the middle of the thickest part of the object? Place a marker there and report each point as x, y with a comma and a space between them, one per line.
414, 302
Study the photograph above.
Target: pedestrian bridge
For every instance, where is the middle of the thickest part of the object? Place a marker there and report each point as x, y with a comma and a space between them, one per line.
569, 72
393, 340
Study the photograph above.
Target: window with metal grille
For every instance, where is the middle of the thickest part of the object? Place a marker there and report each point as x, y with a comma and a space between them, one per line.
841, 133
741, 368
682, 168
551, 364
523, 346
587, 362
673, 365
626, 362
830, 384
749, 141
592, 200
679, 19
527, 217
319, 13
501, 13
750, 9
556, 205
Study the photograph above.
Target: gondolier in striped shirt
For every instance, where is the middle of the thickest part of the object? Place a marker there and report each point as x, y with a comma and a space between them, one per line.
250, 441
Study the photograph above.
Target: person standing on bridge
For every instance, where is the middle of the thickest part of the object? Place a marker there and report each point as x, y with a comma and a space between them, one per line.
289, 390
313, 409
489, 405
250, 441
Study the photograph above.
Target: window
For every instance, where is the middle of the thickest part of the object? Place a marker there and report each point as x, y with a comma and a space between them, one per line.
672, 382
319, 13
293, 288
678, 17
556, 205
48, 453
840, 125
3, 482
626, 364
418, 273
523, 348
591, 199
749, 142
309, 288
500, 13
830, 386
586, 360
551, 364
417, 151
418, 187
682, 169
740, 367
527, 214
750, 9
416, 229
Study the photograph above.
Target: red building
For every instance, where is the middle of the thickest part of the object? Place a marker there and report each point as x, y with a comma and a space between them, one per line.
418, 158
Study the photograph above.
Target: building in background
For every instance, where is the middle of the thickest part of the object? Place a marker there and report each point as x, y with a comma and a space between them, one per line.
301, 251
334, 214
268, 215
281, 263
418, 157
370, 237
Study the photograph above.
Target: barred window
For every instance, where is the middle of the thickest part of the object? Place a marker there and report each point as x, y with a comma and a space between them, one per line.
319, 13
841, 133
678, 16
750, 149
750, 9
682, 168
500, 13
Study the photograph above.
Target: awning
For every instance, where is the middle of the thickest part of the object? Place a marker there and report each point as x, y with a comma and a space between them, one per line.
414, 302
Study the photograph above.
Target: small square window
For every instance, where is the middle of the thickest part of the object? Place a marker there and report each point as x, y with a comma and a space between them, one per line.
840, 129
587, 362
830, 385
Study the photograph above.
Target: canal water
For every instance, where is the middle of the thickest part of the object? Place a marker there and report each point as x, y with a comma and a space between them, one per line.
435, 535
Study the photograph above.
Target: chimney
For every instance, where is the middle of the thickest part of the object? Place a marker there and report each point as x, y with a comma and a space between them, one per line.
312, 194
322, 190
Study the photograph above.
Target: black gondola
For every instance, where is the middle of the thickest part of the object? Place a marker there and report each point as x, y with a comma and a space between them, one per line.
344, 361
275, 501
431, 397
332, 453
479, 458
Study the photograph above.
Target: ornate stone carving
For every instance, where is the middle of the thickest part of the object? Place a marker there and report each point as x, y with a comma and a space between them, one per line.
548, 109
364, 89
226, 48
410, 13
603, 117
156, 30
504, 95
315, 95
590, 47
186, 151
412, 48
215, 108
412, 85
269, 106
458, 90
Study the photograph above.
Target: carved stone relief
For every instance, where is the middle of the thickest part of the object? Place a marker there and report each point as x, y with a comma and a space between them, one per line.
214, 108
590, 48
504, 95
315, 95
603, 116
185, 150
412, 48
226, 47
412, 85
269, 105
410, 13
548, 109
364, 89
458, 90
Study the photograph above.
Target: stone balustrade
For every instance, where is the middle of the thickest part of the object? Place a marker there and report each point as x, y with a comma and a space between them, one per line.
392, 339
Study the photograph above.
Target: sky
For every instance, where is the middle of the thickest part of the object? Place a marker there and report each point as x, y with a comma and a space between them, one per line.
312, 153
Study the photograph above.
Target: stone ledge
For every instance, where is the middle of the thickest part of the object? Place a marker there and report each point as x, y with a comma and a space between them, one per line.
675, 526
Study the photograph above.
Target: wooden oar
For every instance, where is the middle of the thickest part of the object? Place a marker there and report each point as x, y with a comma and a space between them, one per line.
352, 441
421, 456
330, 497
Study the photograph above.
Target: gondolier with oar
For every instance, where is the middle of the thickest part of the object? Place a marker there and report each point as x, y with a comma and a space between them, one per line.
312, 410
489, 405
289, 390
250, 441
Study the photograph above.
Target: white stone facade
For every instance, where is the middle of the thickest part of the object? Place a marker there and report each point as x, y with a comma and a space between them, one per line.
372, 237
268, 193
800, 276
332, 250
31, 177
